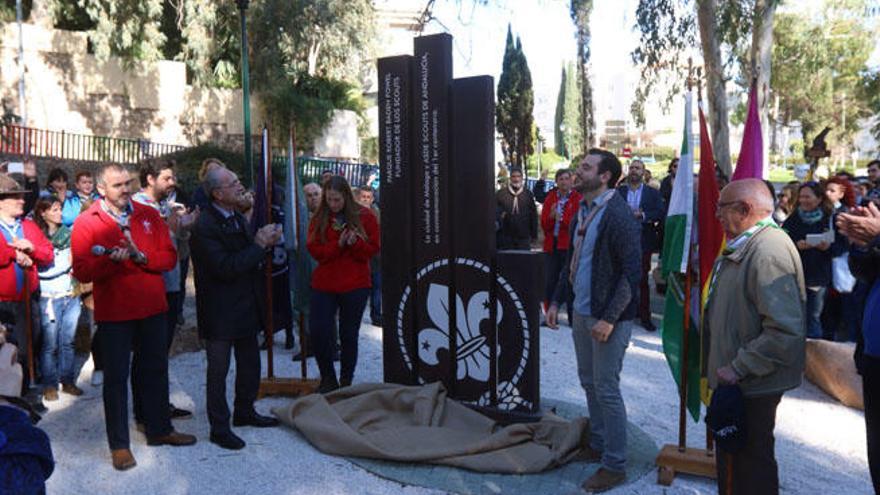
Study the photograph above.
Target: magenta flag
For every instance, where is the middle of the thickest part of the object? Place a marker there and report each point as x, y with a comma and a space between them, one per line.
750, 163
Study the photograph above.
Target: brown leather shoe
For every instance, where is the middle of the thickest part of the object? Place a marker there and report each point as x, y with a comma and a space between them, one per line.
175, 439
70, 388
603, 480
50, 394
122, 459
588, 455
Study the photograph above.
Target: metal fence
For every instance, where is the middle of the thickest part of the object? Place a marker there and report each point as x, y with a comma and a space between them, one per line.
64, 145
310, 169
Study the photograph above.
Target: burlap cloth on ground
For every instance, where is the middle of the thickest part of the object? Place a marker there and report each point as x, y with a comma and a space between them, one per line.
420, 424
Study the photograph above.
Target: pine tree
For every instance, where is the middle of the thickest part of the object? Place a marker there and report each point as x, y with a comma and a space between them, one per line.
516, 101
559, 118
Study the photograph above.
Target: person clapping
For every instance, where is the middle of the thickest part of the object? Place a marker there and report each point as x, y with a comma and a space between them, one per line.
342, 238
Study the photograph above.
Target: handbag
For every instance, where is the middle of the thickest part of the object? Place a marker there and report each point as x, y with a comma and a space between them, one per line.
841, 278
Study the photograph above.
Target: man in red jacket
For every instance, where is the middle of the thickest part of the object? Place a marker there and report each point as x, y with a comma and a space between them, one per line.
130, 306
23, 248
560, 206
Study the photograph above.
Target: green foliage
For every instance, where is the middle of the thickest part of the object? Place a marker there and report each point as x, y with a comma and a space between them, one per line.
558, 138
870, 93
580, 11
310, 104
567, 126
129, 29
189, 160
550, 160
820, 65
668, 31
211, 48
516, 101
71, 16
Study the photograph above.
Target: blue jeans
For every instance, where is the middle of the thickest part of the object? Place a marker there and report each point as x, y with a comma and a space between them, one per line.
599, 365
815, 303
324, 306
59, 331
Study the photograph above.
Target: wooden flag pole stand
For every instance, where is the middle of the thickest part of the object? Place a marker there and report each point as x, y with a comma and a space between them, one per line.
272, 385
680, 458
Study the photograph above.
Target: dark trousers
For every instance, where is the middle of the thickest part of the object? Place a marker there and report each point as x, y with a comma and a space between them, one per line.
754, 470
247, 379
871, 391
376, 297
554, 262
324, 306
12, 315
149, 368
644, 291
174, 299
184, 272
175, 305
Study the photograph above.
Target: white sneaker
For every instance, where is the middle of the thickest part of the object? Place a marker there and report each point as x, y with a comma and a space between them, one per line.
97, 378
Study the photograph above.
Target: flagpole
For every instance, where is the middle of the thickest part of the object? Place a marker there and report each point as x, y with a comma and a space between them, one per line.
709, 439
295, 180
270, 324
678, 458
272, 385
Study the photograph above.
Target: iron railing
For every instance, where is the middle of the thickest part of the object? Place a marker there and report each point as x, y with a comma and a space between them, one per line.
42, 143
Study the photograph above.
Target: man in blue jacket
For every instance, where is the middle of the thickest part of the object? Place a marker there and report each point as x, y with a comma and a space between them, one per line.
647, 208
603, 271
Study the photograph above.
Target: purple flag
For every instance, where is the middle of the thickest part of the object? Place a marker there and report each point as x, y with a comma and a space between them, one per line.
750, 163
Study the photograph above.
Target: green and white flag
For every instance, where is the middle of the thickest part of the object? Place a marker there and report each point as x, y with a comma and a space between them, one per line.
676, 251
679, 219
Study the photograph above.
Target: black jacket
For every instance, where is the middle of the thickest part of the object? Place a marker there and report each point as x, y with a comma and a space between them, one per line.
616, 268
816, 263
226, 262
654, 209
516, 231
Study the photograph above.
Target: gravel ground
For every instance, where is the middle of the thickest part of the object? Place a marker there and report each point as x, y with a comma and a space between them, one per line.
820, 443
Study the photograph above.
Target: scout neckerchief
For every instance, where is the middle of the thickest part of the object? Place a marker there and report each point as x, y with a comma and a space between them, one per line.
561, 201
160, 206
122, 218
584, 221
732, 246
515, 193
12, 232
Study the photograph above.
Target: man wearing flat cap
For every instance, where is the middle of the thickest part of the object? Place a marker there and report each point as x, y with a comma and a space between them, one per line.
23, 248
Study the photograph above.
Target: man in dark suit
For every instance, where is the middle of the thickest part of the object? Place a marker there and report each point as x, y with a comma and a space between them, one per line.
647, 207
227, 261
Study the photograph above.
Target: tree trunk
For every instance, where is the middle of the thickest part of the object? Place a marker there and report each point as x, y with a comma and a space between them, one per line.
715, 82
762, 52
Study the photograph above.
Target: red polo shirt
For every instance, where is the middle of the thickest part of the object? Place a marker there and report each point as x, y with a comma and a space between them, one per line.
123, 291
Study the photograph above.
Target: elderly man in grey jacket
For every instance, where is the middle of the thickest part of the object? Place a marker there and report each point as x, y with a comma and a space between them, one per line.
755, 319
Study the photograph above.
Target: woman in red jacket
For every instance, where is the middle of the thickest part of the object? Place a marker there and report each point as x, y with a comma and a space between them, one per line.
343, 236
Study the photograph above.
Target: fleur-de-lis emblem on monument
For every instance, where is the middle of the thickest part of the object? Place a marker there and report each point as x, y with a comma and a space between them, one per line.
473, 348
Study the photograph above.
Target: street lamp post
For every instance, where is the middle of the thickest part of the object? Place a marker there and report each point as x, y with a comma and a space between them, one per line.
245, 91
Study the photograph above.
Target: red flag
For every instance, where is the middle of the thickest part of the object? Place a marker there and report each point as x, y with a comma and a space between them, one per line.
710, 234
750, 163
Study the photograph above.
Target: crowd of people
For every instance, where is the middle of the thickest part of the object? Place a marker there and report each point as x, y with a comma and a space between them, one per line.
106, 264
801, 262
